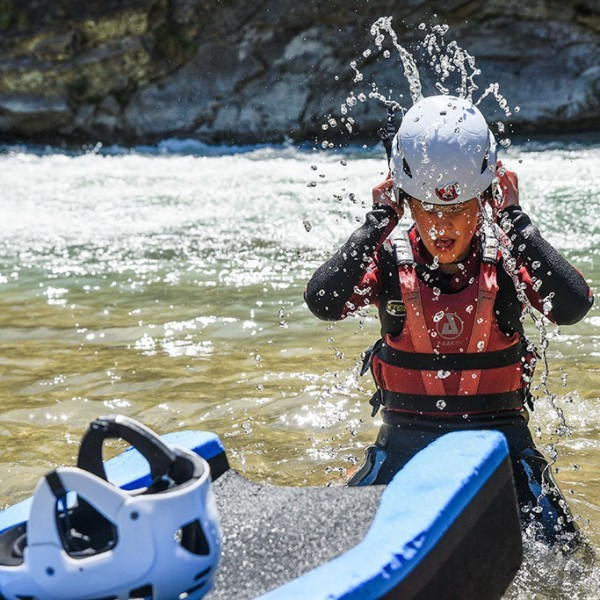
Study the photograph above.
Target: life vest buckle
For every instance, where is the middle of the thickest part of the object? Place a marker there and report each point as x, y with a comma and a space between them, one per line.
375, 402
367, 356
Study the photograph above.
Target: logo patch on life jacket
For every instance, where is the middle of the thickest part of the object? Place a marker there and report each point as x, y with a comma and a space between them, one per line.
450, 326
395, 308
448, 192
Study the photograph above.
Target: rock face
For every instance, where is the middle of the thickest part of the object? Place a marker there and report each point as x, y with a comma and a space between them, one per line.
231, 71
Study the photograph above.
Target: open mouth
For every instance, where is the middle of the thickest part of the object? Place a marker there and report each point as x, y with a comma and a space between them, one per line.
443, 244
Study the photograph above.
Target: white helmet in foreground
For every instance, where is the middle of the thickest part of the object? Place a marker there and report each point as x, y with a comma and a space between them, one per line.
160, 541
444, 151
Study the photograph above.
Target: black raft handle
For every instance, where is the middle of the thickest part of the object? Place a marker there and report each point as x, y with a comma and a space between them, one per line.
160, 457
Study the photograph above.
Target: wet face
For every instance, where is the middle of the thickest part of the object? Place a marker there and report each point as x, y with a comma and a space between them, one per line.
446, 231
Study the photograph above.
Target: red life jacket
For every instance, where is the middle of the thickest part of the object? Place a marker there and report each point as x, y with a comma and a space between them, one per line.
450, 358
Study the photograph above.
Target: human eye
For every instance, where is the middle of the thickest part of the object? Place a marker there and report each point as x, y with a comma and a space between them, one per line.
455, 209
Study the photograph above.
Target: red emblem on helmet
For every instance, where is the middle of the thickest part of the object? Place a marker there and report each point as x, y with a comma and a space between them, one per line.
448, 192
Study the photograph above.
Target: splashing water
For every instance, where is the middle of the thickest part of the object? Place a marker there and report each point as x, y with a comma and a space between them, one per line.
378, 30
452, 67
510, 265
494, 90
454, 59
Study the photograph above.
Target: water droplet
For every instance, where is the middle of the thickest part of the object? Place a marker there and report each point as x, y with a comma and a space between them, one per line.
438, 316
441, 374
480, 346
440, 404
469, 308
361, 291
307, 224
386, 54
311, 184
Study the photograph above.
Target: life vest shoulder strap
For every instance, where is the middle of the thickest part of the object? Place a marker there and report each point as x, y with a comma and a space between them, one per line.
403, 250
391, 305
490, 244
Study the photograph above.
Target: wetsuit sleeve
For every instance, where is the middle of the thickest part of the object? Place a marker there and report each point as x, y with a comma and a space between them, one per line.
551, 281
330, 293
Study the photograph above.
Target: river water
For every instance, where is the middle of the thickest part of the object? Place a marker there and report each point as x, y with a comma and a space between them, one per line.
166, 284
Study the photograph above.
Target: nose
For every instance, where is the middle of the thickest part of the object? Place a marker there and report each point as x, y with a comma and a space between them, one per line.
442, 219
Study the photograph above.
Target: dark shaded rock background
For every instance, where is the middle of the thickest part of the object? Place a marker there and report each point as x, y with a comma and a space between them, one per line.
133, 71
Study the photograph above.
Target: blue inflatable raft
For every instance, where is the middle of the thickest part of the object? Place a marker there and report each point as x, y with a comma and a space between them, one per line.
447, 526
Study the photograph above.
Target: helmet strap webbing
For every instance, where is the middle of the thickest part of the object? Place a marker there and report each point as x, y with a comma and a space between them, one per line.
387, 133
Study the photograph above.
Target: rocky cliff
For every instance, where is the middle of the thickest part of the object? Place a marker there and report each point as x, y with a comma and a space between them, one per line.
232, 71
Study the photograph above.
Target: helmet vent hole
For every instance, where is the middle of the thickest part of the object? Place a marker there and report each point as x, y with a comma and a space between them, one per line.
84, 531
406, 168
193, 539
12, 544
484, 164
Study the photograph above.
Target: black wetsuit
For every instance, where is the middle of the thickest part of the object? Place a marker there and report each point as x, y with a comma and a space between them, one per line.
331, 295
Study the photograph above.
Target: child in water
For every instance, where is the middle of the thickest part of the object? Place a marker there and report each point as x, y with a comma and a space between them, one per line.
452, 354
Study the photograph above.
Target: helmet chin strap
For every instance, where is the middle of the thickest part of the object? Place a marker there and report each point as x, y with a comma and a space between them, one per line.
387, 133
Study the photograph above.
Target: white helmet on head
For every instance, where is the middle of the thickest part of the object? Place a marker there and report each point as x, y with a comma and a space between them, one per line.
443, 152
160, 541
